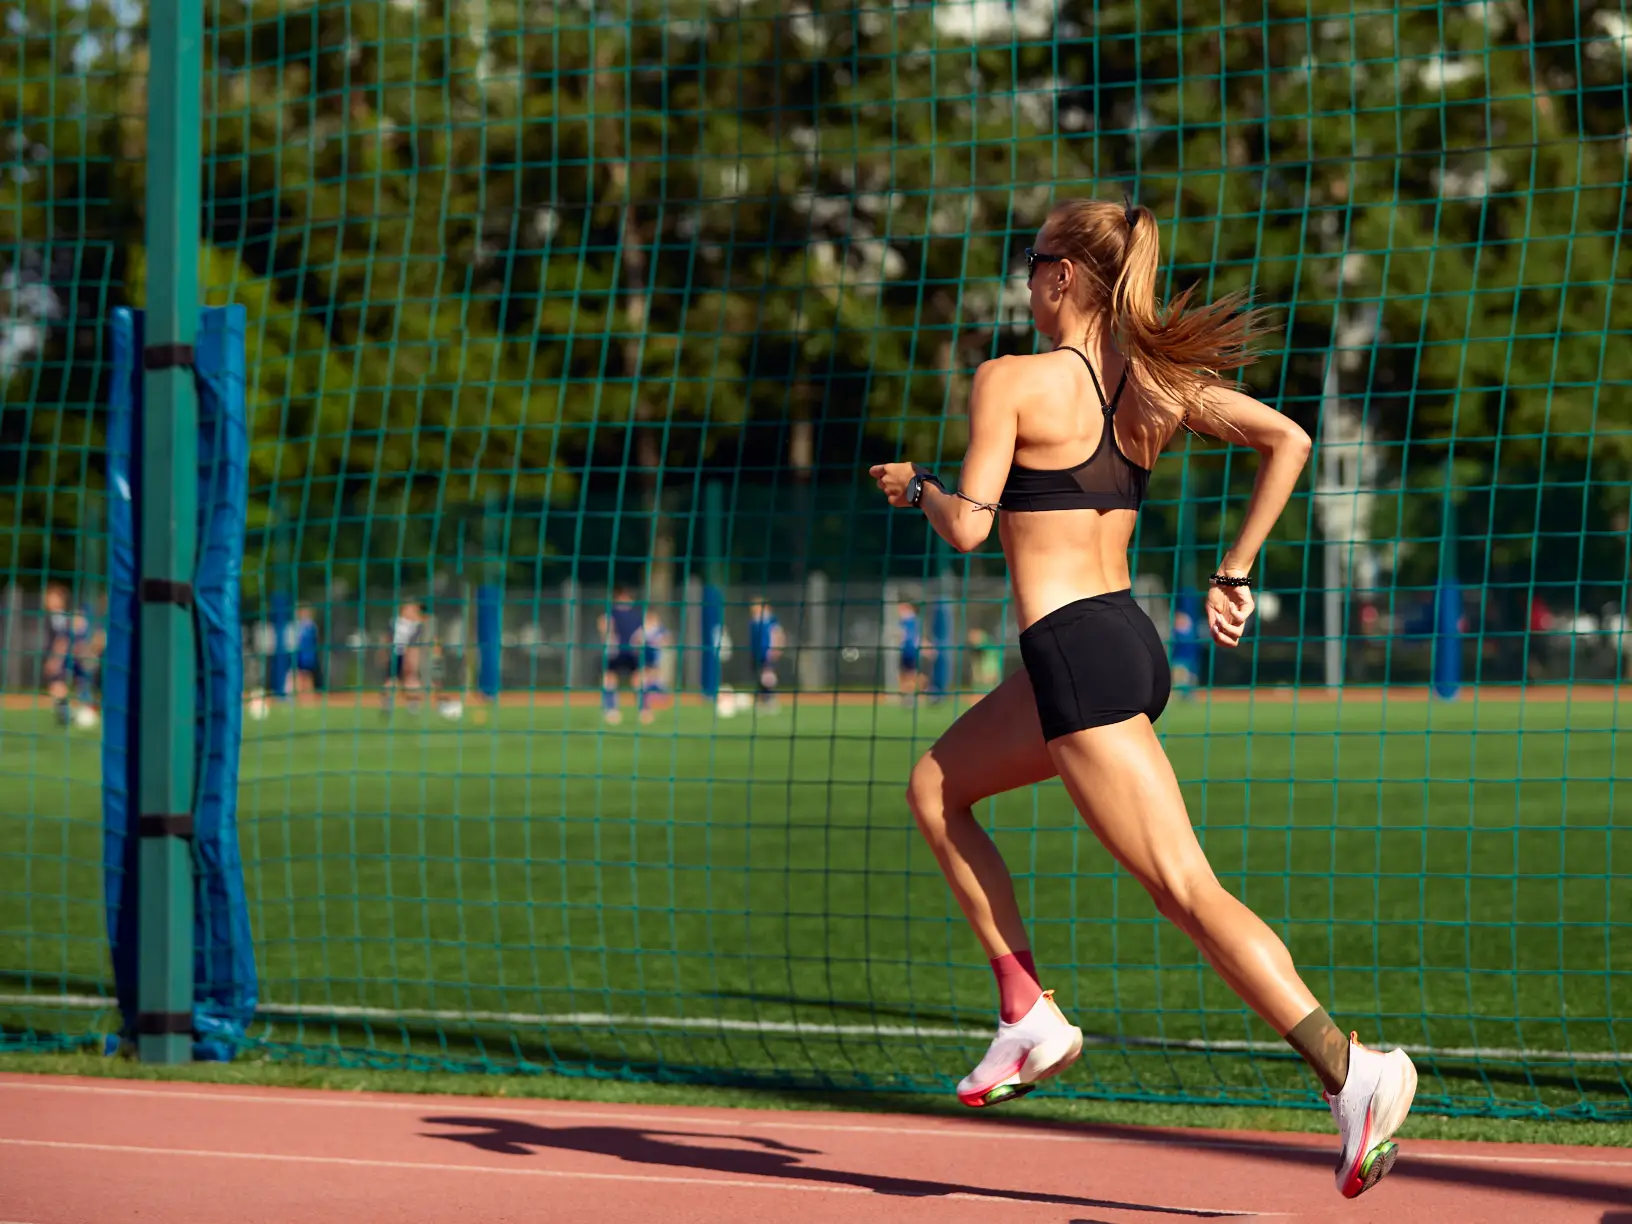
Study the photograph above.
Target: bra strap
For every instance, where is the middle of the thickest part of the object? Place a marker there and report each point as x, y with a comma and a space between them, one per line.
1108, 408
1121, 383
1068, 348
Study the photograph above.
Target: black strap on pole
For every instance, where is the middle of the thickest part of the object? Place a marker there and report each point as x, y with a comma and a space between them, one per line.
166, 591
167, 356
164, 824
164, 1023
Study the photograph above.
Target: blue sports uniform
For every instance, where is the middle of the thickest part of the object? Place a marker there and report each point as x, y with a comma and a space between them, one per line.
306, 647
762, 631
70, 631
625, 622
762, 628
654, 639
1186, 638
911, 641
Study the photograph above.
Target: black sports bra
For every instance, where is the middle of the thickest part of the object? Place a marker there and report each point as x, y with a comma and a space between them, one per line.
1106, 480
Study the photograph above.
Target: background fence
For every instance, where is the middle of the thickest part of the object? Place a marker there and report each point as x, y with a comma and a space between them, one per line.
846, 638
524, 279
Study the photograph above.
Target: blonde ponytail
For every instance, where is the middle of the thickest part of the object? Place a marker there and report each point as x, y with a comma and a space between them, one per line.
1178, 348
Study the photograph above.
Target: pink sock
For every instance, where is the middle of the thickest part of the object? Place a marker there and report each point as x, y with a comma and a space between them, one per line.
1017, 988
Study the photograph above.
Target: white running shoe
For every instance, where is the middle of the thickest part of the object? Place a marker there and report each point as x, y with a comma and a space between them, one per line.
1040, 1044
1374, 1101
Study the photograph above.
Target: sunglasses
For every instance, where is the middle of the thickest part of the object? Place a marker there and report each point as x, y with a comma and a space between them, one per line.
1035, 257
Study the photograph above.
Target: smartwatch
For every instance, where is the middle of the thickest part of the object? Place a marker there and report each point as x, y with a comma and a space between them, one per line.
915, 486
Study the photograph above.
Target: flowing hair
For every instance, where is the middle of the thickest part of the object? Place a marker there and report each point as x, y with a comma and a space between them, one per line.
1180, 348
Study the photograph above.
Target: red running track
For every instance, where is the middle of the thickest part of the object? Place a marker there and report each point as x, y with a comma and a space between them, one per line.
76, 1151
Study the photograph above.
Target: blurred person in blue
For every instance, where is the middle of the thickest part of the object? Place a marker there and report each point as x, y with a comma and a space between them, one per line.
72, 653
655, 639
308, 661
912, 660
1185, 644
765, 644
623, 636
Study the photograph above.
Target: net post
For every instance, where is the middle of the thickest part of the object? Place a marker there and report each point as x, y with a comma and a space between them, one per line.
1184, 648
939, 616
490, 605
1329, 482
569, 634
691, 639
168, 534
285, 586
815, 649
10, 661
1448, 601
713, 586
466, 593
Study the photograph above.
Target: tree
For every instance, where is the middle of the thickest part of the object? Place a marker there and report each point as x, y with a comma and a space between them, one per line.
561, 254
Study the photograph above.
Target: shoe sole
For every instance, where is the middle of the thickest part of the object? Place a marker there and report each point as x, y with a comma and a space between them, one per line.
1376, 1166
1379, 1159
1043, 1062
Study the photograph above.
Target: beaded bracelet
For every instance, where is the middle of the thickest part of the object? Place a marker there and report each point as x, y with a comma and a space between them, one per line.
1227, 580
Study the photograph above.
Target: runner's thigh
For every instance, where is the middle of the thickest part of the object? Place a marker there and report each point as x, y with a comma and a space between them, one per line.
996, 745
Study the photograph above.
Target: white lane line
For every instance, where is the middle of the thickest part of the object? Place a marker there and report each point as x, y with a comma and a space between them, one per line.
770, 1120
318, 1012
639, 1178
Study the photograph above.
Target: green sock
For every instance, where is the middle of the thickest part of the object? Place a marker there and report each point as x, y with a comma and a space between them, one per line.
1324, 1047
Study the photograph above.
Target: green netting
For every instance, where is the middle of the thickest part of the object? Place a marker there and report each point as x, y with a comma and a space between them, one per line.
526, 280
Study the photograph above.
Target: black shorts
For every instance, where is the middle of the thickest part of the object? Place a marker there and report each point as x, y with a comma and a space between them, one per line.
1095, 662
623, 663
397, 661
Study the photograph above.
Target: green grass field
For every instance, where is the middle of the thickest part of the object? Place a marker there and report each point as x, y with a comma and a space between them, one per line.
746, 901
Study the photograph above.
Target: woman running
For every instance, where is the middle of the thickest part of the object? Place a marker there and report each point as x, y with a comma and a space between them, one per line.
1096, 676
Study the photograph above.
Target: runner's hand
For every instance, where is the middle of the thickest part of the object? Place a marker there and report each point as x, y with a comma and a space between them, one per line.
893, 479
1228, 609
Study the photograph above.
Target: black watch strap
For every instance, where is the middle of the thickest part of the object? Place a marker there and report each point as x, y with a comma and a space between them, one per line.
915, 486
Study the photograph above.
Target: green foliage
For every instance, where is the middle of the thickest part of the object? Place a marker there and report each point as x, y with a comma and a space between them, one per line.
540, 252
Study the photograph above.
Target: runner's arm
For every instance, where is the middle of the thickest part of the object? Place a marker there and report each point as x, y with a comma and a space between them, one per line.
964, 518
1282, 446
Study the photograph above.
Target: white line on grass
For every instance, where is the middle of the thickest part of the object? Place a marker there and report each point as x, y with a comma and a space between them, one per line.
798, 1028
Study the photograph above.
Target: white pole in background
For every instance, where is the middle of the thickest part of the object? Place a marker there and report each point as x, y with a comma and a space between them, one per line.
1330, 479
569, 632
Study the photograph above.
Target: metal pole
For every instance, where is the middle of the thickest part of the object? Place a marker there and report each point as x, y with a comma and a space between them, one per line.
8, 643
467, 600
713, 626
815, 650
168, 539
937, 619
1333, 578
491, 574
691, 636
1447, 659
569, 632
